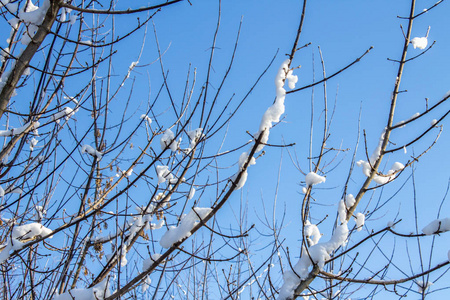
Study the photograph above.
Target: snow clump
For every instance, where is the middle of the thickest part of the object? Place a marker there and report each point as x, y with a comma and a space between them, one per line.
168, 140
90, 150
318, 253
20, 233
195, 136
437, 226
274, 112
183, 231
163, 174
367, 165
313, 179
242, 160
359, 219
97, 292
419, 42
67, 112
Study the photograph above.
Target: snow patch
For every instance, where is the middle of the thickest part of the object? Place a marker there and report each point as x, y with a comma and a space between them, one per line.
419, 42
183, 231
313, 179
437, 226
90, 150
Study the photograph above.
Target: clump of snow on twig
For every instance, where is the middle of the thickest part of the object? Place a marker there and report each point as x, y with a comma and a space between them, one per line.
359, 219
242, 160
168, 140
90, 150
419, 42
349, 200
317, 254
146, 118
274, 112
195, 136
163, 174
436, 226
17, 131
313, 179
22, 233
422, 287
67, 112
368, 165
175, 234
97, 292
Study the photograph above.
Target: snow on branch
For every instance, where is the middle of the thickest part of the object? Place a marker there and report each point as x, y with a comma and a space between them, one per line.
183, 230
17, 131
271, 115
367, 166
20, 235
97, 292
90, 150
67, 112
313, 179
437, 226
168, 140
317, 254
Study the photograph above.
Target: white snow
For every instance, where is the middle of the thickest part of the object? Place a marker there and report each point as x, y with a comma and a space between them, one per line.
195, 136
98, 292
146, 284
90, 150
419, 42
359, 219
191, 193
20, 130
67, 112
72, 19
349, 200
313, 179
175, 234
33, 142
433, 122
146, 118
147, 263
274, 112
19, 233
163, 174
33, 17
242, 160
312, 230
168, 140
318, 254
29, 231
292, 79
437, 226
367, 167
422, 287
